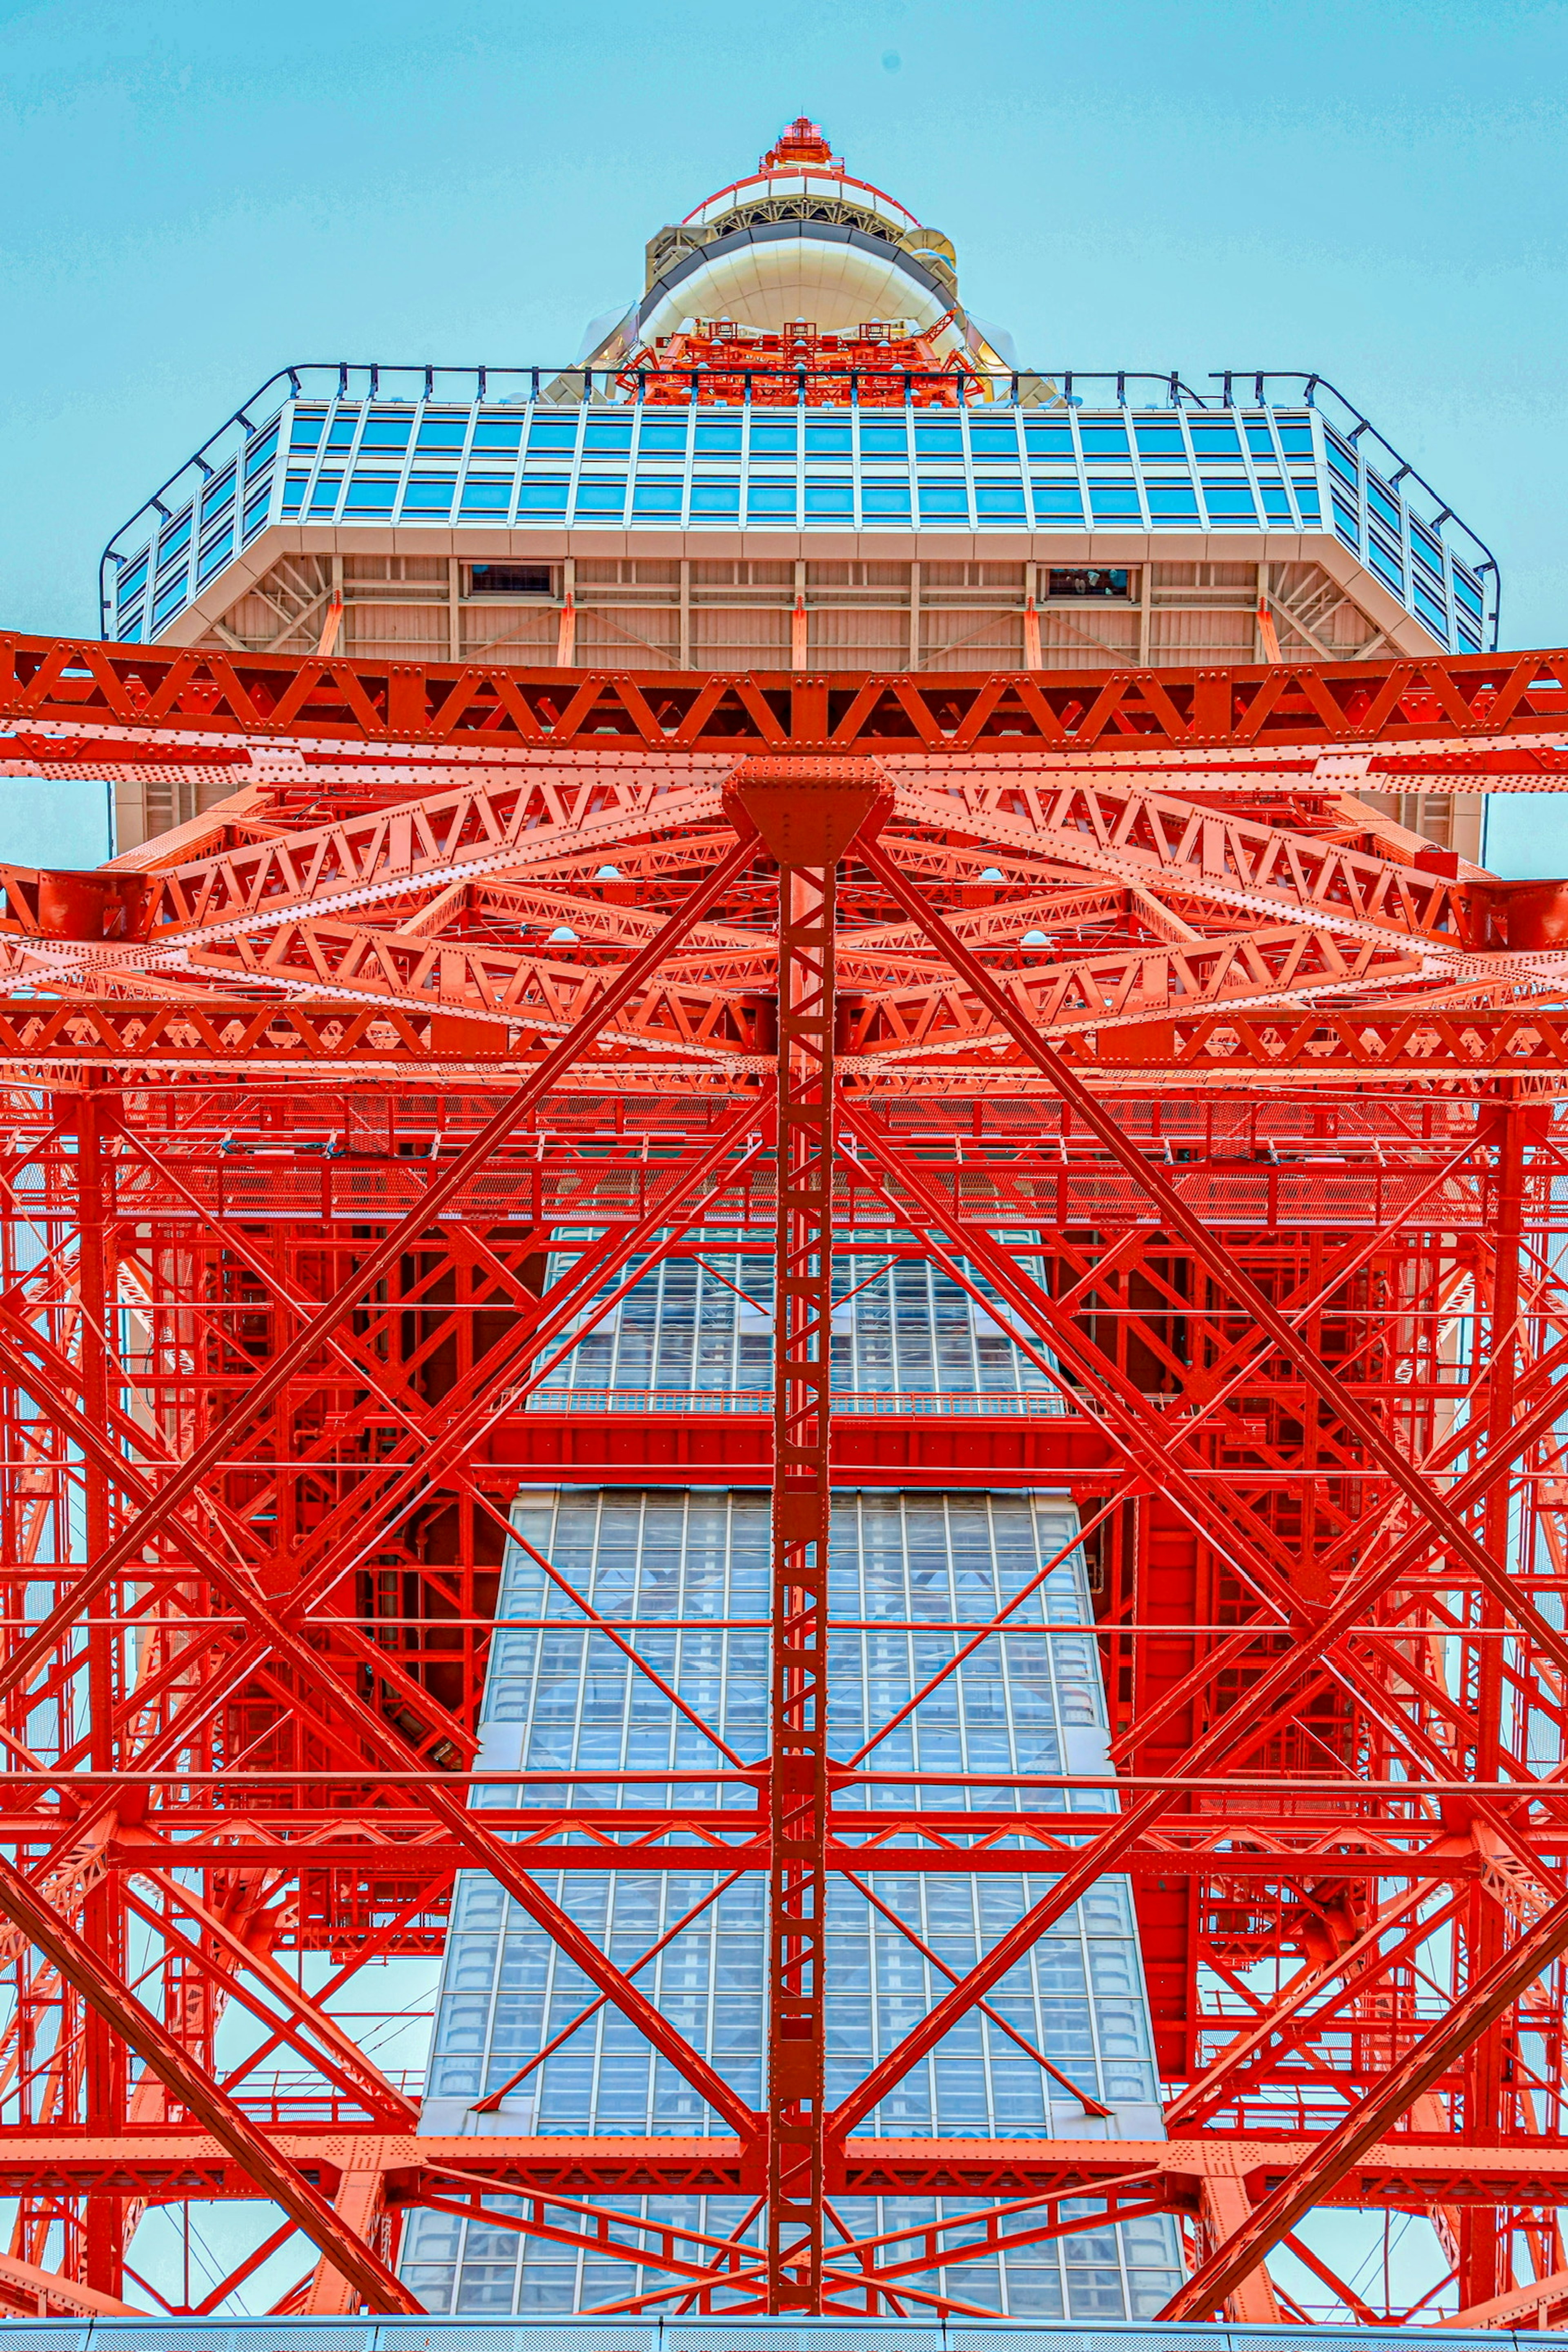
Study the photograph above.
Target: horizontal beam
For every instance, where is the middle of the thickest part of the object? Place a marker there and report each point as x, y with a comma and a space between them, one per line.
116, 703
162, 2165
42, 1038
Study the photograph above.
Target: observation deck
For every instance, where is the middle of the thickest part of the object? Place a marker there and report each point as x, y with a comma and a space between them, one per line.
464, 504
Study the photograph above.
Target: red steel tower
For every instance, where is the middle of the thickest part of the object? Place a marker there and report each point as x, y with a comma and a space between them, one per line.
464, 987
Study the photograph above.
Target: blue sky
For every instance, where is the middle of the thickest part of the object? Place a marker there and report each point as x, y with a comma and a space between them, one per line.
194, 195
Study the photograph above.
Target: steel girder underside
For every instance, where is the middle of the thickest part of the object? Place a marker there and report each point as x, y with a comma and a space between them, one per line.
330, 1117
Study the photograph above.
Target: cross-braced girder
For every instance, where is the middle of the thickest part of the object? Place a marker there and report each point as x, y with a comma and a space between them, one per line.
338, 1124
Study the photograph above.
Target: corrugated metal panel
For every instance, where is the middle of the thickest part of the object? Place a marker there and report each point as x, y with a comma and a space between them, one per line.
522, 633
647, 636
1087, 638
417, 632
1192, 634
966, 639
739, 636
856, 637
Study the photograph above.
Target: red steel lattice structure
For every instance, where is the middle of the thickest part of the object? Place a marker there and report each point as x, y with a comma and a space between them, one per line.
467, 960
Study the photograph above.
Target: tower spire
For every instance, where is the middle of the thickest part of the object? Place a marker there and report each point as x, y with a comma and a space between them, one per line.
801, 143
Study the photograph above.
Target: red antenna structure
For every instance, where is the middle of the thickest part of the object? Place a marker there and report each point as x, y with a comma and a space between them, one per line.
306, 1105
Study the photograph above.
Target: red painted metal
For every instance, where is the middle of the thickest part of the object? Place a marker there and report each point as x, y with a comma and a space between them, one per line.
304, 1109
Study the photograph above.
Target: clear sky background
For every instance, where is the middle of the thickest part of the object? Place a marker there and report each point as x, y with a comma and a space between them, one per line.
192, 196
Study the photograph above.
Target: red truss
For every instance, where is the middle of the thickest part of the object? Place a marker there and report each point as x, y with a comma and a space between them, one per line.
308, 1103
719, 363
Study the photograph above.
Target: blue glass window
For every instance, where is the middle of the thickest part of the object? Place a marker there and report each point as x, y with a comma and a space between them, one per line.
175, 539
132, 579
606, 496
128, 627
386, 431
1276, 504
664, 440
345, 425
830, 498
170, 602
717, 440
256, 508
827, 441
884, 499
1296, 440
1114, 502
539, 495
1426, 548
1230, 500
1105, 441
1000, 498
772, 440
994, 441
1346, 523
486, 494
1382, 504
1061, 498
1211, 441
215, 556
1342, 461
217, 494
1467, 590
941, 500
607, 440
500, 435
938, 441
370, 494
770, 498
324, 497
1161, 441
1469, 635
1385, 562
1173, 501
1260, 441
260, 453
657, 498
1306, 499
1432, 613
430, 494
556, 435
884, 441
306, 431
442, 432
716, 497
294, 492
1049, 441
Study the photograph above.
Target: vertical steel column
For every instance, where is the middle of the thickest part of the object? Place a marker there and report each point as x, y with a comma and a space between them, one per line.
807, 812
105, 2082
803, 1316
1485, 2252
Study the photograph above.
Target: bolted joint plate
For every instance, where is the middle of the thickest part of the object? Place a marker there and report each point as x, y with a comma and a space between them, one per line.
809, 807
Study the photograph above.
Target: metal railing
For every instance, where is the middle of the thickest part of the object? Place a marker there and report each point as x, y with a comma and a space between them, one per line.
858, 1404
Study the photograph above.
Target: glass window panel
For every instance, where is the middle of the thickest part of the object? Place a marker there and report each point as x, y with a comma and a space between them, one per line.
441, 433
1058, 498
656, 497
601, 497
486, 494
370, 494
430, 494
